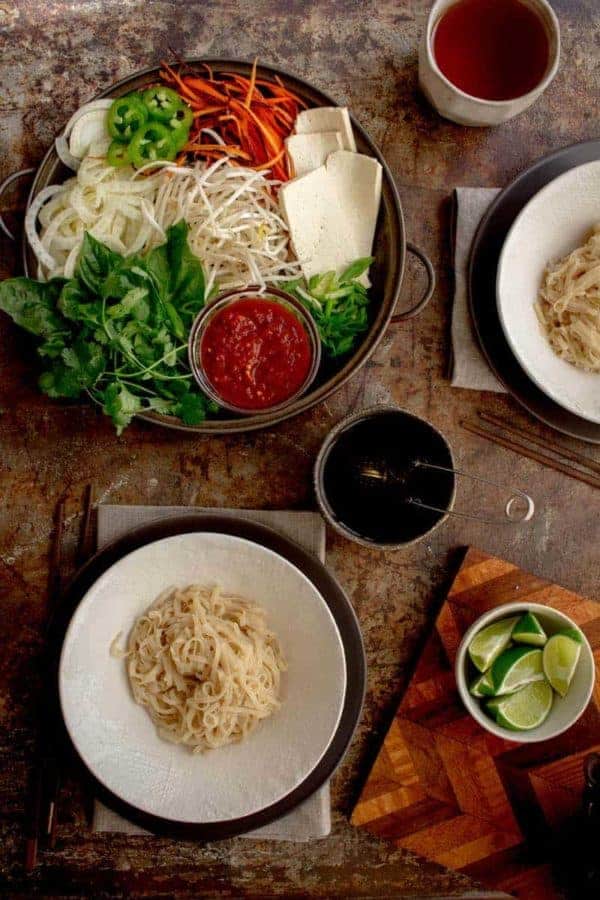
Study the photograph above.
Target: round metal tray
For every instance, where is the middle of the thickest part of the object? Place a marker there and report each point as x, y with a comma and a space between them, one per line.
390, 248
340, 608
483, 265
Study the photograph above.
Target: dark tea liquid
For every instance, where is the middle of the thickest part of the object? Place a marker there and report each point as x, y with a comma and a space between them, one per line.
387, 445
491, 49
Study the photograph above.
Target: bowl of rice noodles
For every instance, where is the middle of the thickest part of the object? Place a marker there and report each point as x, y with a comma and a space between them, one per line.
548, 290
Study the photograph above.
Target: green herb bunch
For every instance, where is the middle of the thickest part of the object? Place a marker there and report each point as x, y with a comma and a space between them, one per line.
118, 330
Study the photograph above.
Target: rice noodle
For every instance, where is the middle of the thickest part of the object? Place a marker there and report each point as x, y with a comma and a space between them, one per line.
204, 665
568, 305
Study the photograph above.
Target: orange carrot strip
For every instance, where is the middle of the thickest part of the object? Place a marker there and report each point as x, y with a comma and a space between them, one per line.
200, 84
252, 83
271, 162
207, 111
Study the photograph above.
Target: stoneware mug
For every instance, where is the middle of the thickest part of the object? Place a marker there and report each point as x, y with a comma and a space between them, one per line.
454, 104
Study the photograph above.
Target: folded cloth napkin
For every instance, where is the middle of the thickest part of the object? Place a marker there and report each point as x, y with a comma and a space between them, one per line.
312, 819
469, 368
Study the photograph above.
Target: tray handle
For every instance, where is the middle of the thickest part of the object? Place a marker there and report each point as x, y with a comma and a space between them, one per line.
428, 294
22, 173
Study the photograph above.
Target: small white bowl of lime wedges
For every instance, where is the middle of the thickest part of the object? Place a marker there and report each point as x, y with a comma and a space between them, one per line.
525, 672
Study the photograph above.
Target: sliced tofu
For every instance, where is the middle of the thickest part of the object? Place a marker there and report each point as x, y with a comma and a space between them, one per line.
309, 151
332, 212
327, 118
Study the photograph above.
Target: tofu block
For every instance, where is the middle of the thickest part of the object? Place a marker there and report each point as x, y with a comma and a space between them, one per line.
332, 212
327, 118
309, 151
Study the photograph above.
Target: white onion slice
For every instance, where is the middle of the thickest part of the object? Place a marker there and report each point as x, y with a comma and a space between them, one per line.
64, 151
64, 154
89, 129
83, 110
30, 224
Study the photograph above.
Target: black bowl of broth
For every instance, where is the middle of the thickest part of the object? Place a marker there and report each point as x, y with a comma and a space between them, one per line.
372, 471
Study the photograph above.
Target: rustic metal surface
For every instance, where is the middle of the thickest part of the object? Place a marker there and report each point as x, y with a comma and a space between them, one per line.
53, 56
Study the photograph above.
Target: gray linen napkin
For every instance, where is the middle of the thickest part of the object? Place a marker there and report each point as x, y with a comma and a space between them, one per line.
469, 368
312, 819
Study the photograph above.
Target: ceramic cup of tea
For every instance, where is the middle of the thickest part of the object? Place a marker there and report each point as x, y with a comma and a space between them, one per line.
482, 62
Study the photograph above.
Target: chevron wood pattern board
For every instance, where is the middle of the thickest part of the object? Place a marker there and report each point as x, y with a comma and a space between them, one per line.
448, 790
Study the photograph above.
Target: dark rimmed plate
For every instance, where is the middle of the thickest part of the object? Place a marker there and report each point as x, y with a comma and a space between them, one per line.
483, 265
341, 610
390, 248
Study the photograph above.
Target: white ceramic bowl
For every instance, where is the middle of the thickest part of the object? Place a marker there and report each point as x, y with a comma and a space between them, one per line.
117, 739
565, 710
554, 222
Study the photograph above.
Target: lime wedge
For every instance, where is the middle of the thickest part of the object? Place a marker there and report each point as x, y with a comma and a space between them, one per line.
525, 709
488, 644
529, 631
482, 686
573, 633
561, 655
515, 667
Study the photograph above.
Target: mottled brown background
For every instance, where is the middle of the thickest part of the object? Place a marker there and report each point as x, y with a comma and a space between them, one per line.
54, 56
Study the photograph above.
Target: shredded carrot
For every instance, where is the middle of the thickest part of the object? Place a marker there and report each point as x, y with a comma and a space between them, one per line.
252, 83
252, 115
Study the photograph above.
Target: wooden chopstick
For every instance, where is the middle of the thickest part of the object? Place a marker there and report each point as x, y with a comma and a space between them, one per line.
520, 447
84, 549
46, 785
566, 452
39, 781
85, 539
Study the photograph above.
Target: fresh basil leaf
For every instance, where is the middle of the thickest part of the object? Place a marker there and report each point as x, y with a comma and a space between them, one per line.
156, 264
356, 269
186, 272
175, 320
95, 263
32, 305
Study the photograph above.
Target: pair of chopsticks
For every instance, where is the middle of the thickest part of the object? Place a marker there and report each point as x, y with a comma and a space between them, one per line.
42, 813
552, 454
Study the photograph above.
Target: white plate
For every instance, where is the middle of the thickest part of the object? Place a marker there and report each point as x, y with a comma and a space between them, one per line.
116, 738
551, 225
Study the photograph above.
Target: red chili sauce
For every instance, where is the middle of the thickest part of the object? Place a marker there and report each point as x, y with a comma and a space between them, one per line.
255, 353
491, 49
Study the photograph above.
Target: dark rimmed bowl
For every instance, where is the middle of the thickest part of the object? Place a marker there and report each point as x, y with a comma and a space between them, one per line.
205, 316
390, 248
381, 434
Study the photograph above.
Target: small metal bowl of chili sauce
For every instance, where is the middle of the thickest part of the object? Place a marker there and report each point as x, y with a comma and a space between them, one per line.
254, 352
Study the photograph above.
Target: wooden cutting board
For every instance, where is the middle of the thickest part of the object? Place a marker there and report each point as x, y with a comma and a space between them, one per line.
448, 790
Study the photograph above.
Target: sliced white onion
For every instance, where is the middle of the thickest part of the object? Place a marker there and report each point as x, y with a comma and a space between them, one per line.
30, 224
83, 110
89, 129
64, 154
